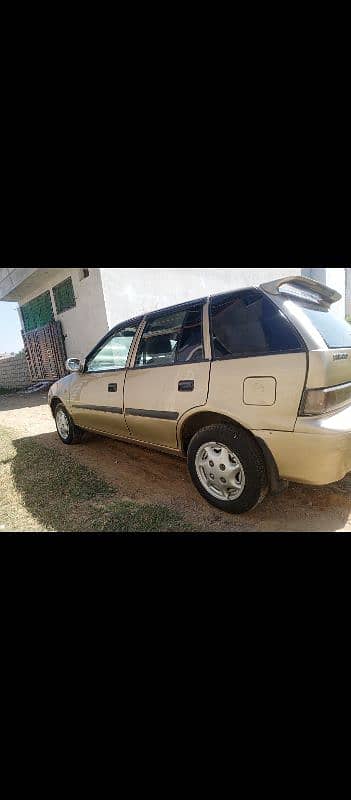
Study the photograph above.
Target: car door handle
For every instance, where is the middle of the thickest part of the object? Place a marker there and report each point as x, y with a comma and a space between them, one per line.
112, 387
186, 386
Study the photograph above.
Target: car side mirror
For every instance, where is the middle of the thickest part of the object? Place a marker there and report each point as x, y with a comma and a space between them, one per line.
73, 365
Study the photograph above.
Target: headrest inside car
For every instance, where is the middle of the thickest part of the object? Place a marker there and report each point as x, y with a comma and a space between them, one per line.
158, 345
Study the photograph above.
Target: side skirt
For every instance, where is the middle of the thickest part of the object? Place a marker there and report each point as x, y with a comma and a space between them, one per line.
145, 445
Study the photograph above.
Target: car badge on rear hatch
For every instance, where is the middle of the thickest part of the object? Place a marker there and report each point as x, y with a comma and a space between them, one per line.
340, 357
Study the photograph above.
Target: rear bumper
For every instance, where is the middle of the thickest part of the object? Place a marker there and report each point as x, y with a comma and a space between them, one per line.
318, 452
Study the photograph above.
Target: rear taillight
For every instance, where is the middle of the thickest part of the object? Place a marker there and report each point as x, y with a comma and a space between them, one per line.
322, 401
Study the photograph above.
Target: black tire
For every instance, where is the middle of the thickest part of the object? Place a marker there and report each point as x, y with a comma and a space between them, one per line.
74, 434
252, 461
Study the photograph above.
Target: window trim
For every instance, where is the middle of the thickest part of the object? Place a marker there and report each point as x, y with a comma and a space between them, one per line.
169, 366
259, 355
242, 356
166, 312
137, 322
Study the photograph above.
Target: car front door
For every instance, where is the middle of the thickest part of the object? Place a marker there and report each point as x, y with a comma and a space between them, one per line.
96, 399
169, 376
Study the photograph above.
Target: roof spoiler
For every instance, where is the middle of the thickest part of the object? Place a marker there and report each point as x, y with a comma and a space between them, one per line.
325, 293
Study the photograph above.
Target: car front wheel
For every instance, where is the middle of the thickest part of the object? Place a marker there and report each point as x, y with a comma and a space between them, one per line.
227, 468
66, 429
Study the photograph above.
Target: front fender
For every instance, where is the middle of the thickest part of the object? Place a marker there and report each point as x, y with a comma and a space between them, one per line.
61, 390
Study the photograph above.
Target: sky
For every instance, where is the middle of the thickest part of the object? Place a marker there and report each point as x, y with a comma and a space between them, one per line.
10, 330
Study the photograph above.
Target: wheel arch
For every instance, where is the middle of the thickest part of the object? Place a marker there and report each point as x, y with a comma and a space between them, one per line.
54, 402
204, 418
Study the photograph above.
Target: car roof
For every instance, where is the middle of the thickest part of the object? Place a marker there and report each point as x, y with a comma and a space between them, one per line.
158, 312
187, 304
161, 311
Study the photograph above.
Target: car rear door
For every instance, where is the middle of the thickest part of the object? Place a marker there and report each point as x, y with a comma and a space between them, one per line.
169, 376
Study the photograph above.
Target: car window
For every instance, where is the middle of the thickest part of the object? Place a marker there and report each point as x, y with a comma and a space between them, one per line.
171, 339
335, 331
249, 324
114, 352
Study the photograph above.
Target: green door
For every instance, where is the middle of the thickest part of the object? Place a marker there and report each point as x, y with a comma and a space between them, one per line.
37, 312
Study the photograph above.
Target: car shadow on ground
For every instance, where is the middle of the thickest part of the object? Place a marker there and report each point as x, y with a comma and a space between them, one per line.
20, 400
148, 477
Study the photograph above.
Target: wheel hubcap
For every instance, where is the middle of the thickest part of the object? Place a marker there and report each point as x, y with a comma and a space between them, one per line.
220, 471
62, 424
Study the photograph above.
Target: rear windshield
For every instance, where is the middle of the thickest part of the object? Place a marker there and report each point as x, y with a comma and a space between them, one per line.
335, 331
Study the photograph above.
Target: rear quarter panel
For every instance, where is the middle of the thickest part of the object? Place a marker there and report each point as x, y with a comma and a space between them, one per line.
329, 368
227, 390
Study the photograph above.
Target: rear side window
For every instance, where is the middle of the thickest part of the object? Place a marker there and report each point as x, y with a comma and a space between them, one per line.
175, 338
249, 324
336, 332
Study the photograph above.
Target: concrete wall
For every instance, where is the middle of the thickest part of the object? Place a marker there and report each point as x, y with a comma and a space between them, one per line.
130, 291
348, 292
85, 324
317, 273
10, 277
14, 372
336, 279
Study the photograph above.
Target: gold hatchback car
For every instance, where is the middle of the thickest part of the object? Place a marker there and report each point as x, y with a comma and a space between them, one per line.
253, 387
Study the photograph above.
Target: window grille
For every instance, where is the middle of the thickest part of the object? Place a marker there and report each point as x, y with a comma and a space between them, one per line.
64, 296
37, 312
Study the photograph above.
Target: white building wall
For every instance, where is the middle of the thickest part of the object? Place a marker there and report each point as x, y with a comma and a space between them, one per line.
348, 292
316, 273
336, 279
9, 278
85, 324
130, 291
110, 295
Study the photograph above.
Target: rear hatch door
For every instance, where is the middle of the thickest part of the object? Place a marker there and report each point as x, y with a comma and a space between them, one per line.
310, 306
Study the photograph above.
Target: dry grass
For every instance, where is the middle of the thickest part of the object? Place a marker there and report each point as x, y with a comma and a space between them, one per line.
44, 490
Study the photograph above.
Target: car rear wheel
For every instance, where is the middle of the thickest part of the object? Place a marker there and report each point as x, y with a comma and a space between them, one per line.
66, 429
227, 468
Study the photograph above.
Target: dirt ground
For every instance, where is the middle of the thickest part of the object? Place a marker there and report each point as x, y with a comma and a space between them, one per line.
150, 477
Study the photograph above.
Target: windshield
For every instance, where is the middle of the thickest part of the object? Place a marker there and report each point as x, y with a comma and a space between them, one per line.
335, 331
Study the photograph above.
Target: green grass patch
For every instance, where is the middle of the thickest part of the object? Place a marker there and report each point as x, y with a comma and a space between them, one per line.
128, 517
46, 490
49, 475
